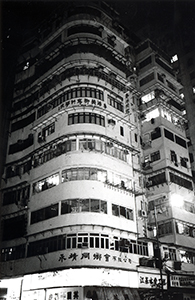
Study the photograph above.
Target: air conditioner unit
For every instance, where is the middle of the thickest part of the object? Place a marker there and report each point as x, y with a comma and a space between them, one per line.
112, 122
143, 213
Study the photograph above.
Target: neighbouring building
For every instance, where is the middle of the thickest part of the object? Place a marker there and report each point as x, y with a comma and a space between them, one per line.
166, 167
97, 190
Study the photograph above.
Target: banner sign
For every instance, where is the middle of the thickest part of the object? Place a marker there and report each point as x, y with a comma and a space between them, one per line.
180, 281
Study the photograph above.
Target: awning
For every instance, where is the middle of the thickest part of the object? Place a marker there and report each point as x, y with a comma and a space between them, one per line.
111, 293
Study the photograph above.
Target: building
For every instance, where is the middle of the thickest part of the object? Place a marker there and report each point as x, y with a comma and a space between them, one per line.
166, 165
176, 37
90, 153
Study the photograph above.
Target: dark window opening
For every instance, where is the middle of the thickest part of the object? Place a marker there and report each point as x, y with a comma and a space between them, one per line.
174, 157
169, 135
121, 131
145, 62
44, 213
147, 79
157, 179
83, 29
14, 227
181, 181
180, 141
156, 133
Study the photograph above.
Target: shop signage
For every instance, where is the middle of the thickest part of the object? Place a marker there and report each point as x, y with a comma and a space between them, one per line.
182, 281
33, 295
53, 294
93, 256
62, 294
81, 101
152, 281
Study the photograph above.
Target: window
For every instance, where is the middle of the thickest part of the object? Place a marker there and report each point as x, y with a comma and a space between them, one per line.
146, 98
46, 245
116, 103
145, 62
160, 77
187, 256
165, 228
190, 207
17, 196
146, 79
169, 135
14, 227
191, 157
164, 65
121, 211
83, 205
111, 40
156, 133
84, 174
87, 144
121, 131
48, 130
44, 213
174, 58
83, 28
181, 181
22, 123
86, 240
151, 115
155, 156
12, 253
174, 157
83, 240
86, 118
180, 141
183, 161
171, 86
186, 229
46, 183
52, 151
157, 179
172, 254
71, 94
21, 144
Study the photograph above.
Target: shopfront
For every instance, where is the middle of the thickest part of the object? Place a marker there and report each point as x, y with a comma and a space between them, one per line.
182, 287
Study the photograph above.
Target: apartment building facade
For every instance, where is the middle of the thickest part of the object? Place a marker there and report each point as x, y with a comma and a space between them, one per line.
166, 165
77, 182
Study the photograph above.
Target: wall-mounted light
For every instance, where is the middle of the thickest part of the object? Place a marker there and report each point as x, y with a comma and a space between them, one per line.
176, 200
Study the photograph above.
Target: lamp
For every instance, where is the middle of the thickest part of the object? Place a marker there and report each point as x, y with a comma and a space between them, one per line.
176, 200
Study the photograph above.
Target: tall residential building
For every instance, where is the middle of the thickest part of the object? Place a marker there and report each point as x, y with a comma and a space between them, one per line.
96, 150
166, 165
175, 34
